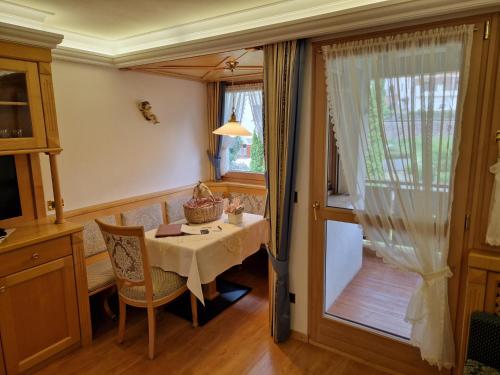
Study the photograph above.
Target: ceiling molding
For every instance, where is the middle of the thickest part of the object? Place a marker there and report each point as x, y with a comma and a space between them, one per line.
314, 22
79, 56
25, 35
349, 20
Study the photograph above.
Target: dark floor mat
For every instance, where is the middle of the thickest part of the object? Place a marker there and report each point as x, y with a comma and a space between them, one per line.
229, 293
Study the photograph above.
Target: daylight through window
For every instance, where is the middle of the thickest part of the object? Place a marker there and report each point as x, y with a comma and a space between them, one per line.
241, 154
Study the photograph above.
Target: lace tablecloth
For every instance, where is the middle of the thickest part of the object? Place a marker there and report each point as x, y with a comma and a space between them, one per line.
201, 258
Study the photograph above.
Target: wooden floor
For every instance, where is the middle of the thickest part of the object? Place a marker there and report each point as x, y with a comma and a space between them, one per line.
235, 342
377, 297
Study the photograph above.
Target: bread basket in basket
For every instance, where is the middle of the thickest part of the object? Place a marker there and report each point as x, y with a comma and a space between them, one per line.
203, 207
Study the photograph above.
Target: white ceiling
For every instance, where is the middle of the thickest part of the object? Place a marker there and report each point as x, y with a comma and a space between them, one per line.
118, 19
118, 27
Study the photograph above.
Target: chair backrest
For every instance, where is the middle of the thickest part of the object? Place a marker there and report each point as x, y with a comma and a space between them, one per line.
93, 243
150, 217
129, 258
174, 206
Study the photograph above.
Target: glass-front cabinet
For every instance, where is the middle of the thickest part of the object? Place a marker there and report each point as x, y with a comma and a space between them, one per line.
21, 111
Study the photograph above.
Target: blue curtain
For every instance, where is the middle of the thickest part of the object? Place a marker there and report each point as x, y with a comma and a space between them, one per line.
283, 63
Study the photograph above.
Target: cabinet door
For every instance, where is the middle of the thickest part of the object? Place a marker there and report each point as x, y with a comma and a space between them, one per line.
38, 314
21, 112
2, 364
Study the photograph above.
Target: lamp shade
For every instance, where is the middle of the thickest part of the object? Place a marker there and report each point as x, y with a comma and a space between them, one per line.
232, 128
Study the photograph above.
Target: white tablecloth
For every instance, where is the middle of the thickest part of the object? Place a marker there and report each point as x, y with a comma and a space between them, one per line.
201, 258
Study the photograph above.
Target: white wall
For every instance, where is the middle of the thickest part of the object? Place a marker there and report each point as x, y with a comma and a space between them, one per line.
110, 150
299, 255
343, 258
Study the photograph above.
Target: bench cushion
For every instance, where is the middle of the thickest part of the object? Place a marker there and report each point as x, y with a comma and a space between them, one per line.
93, 242
477, 368
150, 217
100, 275
174, 206
164, 283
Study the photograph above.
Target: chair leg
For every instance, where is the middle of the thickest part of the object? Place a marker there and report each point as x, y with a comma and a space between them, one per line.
152, 332
121, 324
194, 310
107, 309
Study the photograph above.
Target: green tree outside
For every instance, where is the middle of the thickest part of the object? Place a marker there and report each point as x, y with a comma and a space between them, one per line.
257, 154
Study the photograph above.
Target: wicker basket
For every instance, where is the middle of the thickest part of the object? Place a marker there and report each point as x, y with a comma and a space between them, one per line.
210, 210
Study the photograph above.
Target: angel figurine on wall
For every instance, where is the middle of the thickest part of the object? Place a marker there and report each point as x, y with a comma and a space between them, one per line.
146, 110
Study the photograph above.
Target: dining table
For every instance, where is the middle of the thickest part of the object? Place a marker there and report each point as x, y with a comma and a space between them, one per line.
202, 257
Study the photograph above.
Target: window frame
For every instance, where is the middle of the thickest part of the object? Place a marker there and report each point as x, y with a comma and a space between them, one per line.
244, 177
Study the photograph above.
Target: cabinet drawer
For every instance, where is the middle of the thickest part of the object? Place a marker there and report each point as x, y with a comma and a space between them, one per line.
34, 255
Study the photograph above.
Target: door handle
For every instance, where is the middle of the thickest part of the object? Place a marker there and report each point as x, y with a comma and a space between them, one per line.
315, 210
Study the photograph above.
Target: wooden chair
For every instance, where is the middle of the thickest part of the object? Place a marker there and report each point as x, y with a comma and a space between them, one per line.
139, 284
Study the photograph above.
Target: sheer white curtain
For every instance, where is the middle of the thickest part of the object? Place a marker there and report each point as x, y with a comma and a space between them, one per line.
255, 97
396, 104
493, 231
238, 98
240, 94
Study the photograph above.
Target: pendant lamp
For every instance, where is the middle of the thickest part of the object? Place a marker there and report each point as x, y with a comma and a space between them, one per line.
233, 127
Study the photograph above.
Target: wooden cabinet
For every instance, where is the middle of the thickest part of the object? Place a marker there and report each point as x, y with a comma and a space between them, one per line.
41, 261
22, 123
482, 293
38, 314
39, 307
2, 363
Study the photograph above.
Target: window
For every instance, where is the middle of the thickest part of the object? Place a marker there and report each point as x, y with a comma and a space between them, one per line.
241, 154
429, 99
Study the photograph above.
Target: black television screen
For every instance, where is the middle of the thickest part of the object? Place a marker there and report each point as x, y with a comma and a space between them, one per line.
10, 203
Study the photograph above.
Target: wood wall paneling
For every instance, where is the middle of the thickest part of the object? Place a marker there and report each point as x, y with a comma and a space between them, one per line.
210, 68
475, 291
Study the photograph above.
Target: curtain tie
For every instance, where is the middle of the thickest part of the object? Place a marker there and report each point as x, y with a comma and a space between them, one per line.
279, 266
429, 278
418, 305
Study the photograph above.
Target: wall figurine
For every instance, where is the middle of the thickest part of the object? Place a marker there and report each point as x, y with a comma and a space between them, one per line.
147, 112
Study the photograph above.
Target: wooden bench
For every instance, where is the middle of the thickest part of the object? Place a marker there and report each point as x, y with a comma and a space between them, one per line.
148, 210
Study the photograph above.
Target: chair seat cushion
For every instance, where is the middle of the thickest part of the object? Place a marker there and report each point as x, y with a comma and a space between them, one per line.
100, 275
477, 368
164, 283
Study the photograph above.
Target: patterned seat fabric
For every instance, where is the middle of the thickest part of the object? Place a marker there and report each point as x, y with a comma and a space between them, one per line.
100, 275
484, 339
254, 204
164, 283
150, 217
477, 368
92, 237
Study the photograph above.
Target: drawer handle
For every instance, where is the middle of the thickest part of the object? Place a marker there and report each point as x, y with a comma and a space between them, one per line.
2, 289
35, 256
